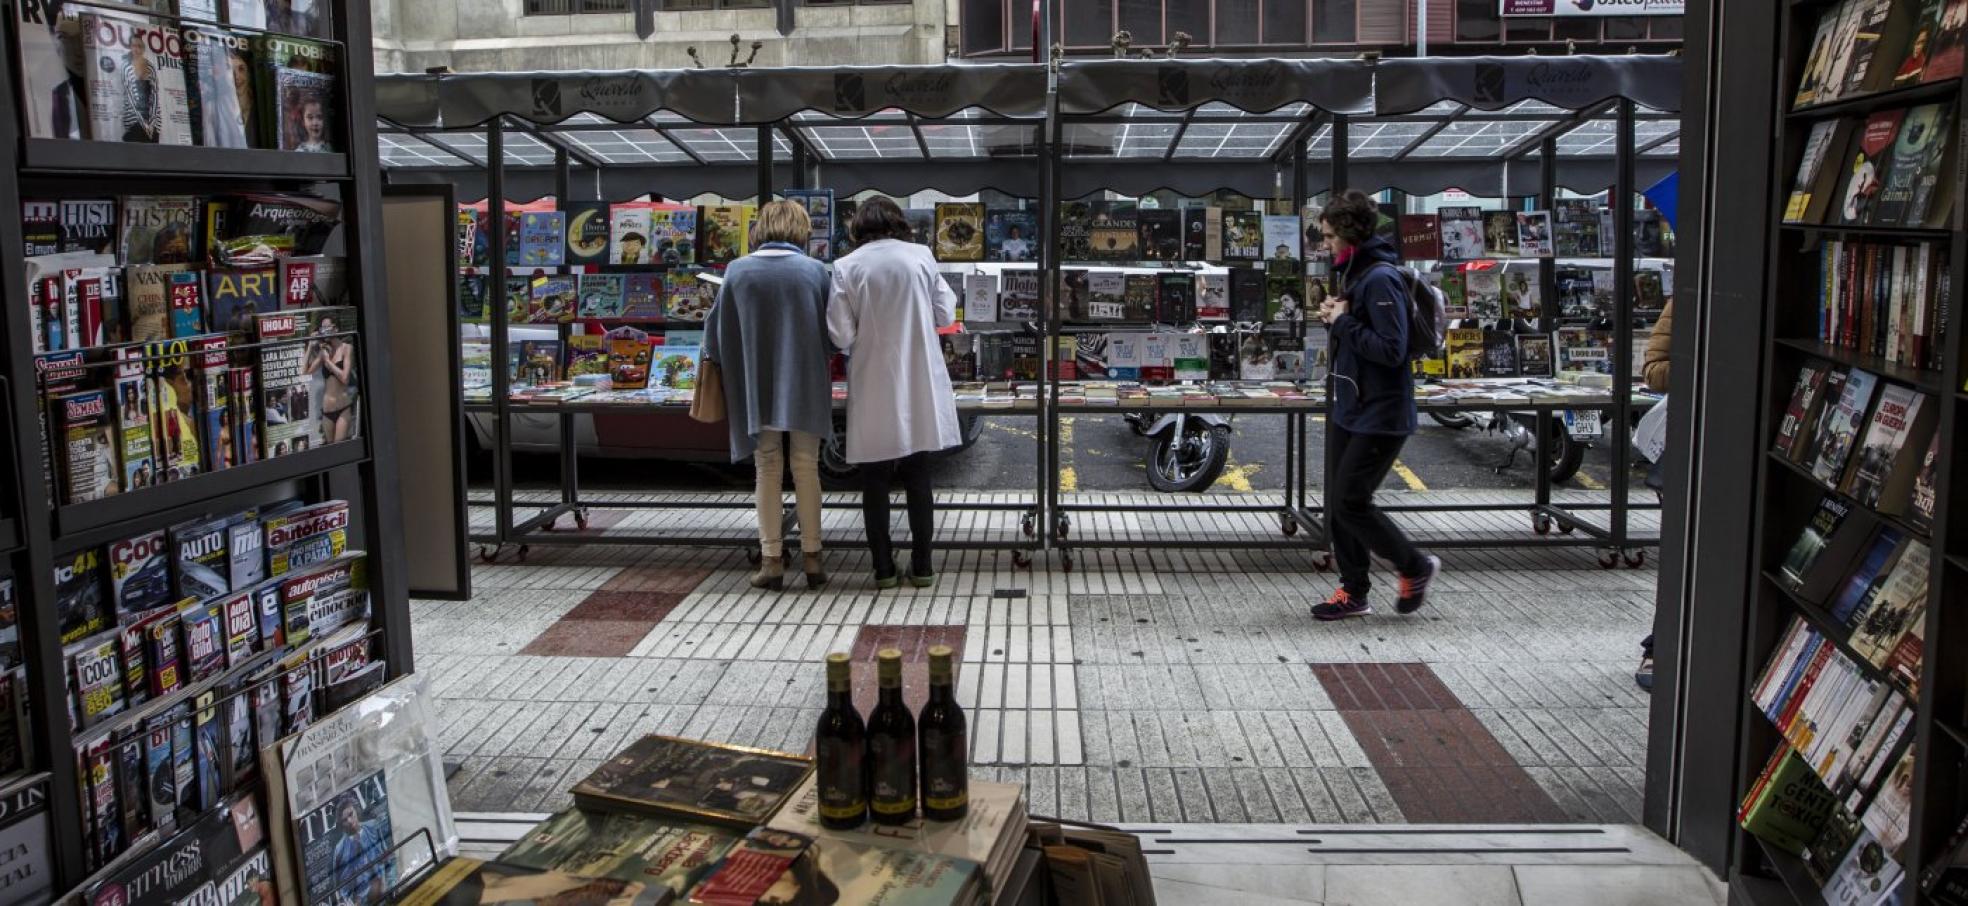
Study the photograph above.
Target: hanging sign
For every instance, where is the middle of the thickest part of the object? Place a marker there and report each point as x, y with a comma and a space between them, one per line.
1582, 9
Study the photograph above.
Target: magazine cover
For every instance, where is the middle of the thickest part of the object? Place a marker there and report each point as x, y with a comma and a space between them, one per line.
136, 79
160, 229
470, 882
139, 573
296, 88
674, 854
345, 846
290, 422
134, 424
1534, 234
79, 603
959, 232
1011, 236
88, 446
663, 775
53, 85
219, 69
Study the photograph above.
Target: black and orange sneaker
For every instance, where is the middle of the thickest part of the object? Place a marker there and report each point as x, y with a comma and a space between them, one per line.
1414, 589
1340, 606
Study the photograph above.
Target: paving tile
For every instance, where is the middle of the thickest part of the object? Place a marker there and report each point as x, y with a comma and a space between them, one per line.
1464, 885
1613, 885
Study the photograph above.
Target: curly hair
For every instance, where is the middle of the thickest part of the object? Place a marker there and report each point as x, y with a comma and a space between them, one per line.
1352, 216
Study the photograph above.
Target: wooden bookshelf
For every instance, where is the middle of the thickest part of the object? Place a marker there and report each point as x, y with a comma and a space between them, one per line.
1786, 492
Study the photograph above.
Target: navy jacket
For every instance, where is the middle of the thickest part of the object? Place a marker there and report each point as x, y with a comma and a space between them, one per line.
1373, 386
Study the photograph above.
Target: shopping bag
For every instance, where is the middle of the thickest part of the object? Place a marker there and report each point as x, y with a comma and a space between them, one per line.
708, 405
1650, 435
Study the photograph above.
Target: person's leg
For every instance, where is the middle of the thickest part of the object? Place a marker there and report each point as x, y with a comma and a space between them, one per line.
875, 479
1348, 545
922, 514
769, 464
806, 490
1381, 535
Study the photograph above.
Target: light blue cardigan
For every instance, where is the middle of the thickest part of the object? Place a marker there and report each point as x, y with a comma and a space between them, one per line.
768, 335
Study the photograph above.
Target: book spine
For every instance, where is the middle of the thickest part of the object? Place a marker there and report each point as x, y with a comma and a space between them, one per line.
1781, 651
1799, 681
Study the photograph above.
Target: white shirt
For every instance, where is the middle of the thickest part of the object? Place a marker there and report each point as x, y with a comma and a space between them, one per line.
888, 300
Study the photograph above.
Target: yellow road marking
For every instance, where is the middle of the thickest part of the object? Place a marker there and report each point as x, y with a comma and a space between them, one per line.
1069, 480
1408, 475
1237, 478
1588, 482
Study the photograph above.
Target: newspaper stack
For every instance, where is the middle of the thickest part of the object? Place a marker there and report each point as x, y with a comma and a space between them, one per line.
990, 836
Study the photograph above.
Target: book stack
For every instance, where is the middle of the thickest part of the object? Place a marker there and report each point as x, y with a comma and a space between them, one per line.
1094, 864
1846, 722
988, 837
1883, 299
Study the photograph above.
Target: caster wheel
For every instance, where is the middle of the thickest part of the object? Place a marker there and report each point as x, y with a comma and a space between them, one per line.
1635, 559
1609, 559
488, 555
1541, 524
753, 556
1021, 560
1062, 527
581, 520
1324, 563
1029, 525
1288, 525
523, 551
1066, 563
1566, 528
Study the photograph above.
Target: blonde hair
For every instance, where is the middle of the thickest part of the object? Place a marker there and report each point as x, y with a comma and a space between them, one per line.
782, 221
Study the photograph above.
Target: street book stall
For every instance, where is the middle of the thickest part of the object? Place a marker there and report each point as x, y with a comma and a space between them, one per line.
592, 296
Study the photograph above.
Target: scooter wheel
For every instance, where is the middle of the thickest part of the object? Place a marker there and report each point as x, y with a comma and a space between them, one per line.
1635, 559
1324, 563
1288, 525
1566, 528
1609, 559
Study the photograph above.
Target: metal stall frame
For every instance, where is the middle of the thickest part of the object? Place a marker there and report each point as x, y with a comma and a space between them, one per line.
796, 111
1503, 110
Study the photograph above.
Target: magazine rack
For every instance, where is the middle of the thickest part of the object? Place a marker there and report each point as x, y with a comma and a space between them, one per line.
360, 471
1785, 494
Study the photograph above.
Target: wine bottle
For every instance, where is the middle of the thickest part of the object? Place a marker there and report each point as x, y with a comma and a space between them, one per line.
891, 746
840, 750
943, 744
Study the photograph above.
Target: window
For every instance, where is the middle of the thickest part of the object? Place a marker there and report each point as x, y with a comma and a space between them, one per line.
1666, 28
1477, 20
1236, 22
983, 27
574, 7
1576, 28
1143, 21
1515, 29
689, 5
1284, 21
1335, 21
1626, 28
1089, 23
1191, 17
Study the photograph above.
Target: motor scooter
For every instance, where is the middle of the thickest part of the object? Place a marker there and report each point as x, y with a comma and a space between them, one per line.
1187, 450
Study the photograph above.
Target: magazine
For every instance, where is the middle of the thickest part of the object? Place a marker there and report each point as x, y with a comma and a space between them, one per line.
136, 79
667, 776
624, 847
219, 67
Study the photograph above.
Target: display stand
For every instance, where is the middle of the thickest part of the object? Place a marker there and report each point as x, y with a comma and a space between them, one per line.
361, 471
941, 127
1787, 494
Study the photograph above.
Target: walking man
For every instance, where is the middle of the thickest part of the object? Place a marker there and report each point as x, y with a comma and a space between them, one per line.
1373, 408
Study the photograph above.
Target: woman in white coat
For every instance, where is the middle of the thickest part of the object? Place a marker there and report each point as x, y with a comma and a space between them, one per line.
888, 300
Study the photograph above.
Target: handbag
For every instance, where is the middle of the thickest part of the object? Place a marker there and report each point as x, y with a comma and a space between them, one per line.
707, 405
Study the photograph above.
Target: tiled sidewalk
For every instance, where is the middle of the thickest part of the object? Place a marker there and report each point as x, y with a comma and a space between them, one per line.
1142, 687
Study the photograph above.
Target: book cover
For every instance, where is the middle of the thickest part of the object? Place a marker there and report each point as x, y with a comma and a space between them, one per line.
1212, 296
643, 296
602, 296
629, 358
980, 297
469, 882
1864, 167
1161, 233
1811, 189
1288, 358
587, 232
1247, 286
819, 205
136, 79
10, 647
1195, 232
1805, 395
1894, 606
542, 238
1811, 82
629, 227
1500, 234
1534, 358
1464, 352
1281, 239
1882, 475
160, 229
1011, 236
673, 233
959, 232
1105, 295
1950, 36
675, 367
1243, 236
666, 776
1873, 59
1283, 292
1499, 354
1914, 158
54, 85
1921, 499
1018, 297
1483, 292
1534, 238
199, 560
1114, 232
922, 226
1076, 231
1872, 568
1175, 298
762, 862
1840, 431
1866, 876
345, 846
726, 231
673, 854
1815, 541
687, 298
1256, 356
1421, 237
1575, 229
1462, 233
1138, 297
1191, 355
88, 446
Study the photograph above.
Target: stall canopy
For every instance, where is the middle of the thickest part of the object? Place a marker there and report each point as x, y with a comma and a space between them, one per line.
1189, 126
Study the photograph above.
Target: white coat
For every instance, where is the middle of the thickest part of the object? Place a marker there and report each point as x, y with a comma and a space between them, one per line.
887, 302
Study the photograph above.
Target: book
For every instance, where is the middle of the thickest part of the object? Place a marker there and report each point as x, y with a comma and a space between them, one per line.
1575, 229
1160, 232
1483, 292
1922, 497
1421, 237
1138, 297
673, 854
601, 296
1011, 235
959, 231
1500, 234
1075, 231
1534, 238
1283, 292
1872, 567
675, 367
586, 228
1911, 173
297, 88
217, 858
1823, 550
1247, 287
1534, 357
1880, 31
1806, 396
1018, 295
1499, 354
764, 861
1950, 38
1243, 236
980, 297
1464, 352
1462, 233
1839, 432
219, 66
629, 357
542, 239
1114, 233
1281, 237
726, 232
1863, 171
667, 776
1894, 606
1202, 233
922, 226
819, 205
629, 228
470, 882
136, 79
1865, 876
1812, 81
1882, 476
1175, 298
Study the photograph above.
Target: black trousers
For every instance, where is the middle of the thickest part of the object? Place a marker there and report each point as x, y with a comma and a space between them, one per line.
877, 478
1360, 464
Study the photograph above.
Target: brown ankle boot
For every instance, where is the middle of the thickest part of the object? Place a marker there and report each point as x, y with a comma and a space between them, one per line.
771, 574
816, 573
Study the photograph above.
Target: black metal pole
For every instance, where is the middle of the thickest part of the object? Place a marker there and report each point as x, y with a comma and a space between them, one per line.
1050, 274
495, 212
1339, 178
570, 478
1622, 201
1294, 421
1548, 266
1045, 501
764, 165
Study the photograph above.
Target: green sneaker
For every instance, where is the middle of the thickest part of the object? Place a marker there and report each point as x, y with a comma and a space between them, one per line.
893, 579
927, 581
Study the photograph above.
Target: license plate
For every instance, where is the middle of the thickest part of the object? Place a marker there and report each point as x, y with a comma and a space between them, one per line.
1582, 423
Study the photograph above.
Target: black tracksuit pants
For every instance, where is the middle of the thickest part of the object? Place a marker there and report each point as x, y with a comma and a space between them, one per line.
1359, 528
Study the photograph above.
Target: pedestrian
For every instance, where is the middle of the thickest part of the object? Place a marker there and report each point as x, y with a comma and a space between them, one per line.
767, 334
1373, 407
1653, 370
888, 301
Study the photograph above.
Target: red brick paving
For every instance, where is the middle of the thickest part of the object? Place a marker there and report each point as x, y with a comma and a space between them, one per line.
1436, 758
669, 579
914, 642
605, 624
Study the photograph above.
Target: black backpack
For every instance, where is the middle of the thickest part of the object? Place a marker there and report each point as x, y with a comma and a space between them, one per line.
1428, 316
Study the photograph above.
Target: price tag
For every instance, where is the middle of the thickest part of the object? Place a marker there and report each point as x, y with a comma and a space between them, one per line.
1582, 422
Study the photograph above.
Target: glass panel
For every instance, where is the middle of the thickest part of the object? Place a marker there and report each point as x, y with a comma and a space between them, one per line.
1666, 28
1515, 29
720, 144
410, 151
1576, 28
1089, 23
627, 146
1284, 22
864, 141
1335, 21
1626, 28
1476, 20
1236, 22
1019, 23
1143, 21
1190, 16
604, 6
983, 26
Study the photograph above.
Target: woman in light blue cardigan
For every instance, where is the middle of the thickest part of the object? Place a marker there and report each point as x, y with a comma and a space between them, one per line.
768, 335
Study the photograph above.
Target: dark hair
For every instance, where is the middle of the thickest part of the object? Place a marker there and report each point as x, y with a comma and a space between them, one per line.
878, 218
1352, 216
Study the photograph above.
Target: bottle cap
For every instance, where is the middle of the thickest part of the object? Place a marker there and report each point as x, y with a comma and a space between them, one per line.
889, 666
840, 667
939, 663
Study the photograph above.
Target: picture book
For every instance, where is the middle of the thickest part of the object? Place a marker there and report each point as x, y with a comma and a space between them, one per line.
959, 231
602, 295
1500, 234
629, 228
536, 363
1462, 233
675, 367
542, 239
667, 776
1011, 235
643, 296
1161, 234
686, 297
473, 247
80, 606
136, 79
160, 229
586, 228
629, 356
551, 300
726, 232
819, 205
1534, 234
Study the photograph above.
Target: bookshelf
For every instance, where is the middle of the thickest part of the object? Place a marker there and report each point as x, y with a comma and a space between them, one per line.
1787, 491
38, 529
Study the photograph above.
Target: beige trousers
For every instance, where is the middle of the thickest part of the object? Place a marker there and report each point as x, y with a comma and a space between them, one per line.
771, 465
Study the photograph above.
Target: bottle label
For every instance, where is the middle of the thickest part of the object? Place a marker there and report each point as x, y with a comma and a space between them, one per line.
894, 789
842, 792
945, 769
961, 799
